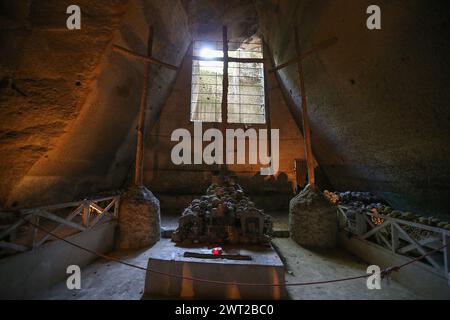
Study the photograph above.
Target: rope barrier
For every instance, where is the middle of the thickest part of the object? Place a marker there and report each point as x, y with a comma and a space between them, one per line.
386, 273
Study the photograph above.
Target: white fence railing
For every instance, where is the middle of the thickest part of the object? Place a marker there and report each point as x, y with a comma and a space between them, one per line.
62, 220
401, 237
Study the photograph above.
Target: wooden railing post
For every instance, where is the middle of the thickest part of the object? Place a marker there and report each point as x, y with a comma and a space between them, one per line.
86, 213
8, 237
34, 219
116, 207
446, 241
395, 238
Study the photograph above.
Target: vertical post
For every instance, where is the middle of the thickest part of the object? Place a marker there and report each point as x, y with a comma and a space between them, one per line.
86, 213
139, 174
35, 220
306, 126
395, 238
446, 241
224, 97
266, 97
116, 207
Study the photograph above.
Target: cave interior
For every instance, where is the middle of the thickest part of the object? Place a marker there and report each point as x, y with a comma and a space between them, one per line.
357, 119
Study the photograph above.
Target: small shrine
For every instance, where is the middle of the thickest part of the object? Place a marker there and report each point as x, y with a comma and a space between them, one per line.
225, 215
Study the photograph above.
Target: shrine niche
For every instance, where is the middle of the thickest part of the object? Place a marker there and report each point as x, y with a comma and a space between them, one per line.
225, 215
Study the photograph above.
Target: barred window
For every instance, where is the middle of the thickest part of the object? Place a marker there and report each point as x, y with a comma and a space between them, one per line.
246, 92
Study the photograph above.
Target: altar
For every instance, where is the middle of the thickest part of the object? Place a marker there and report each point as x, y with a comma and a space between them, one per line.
240, 271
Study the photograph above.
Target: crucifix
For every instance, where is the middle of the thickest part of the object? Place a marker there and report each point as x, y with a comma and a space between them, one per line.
306, 126
148, 60
226, 59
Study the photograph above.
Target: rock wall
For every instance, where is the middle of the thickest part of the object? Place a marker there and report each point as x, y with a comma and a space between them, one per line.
46, 74
378, 100
72, 131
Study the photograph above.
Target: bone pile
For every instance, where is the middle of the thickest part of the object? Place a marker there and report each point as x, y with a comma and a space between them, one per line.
359, 202
224, 215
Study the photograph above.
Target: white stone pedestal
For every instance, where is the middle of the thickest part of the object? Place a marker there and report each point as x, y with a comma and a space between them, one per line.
265, 267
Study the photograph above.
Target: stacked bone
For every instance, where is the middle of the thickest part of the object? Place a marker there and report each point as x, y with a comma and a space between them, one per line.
360, 202
224, 215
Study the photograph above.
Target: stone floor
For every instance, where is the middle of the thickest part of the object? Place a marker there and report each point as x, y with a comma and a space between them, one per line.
113, 281
305, 266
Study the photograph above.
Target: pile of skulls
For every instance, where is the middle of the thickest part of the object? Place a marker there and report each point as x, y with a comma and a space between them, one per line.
346, 197
360, 202
224, 215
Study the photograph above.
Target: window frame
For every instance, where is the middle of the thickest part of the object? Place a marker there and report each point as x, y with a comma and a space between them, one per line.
263, 85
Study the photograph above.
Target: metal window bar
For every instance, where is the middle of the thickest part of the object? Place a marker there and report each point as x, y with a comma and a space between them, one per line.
242, 93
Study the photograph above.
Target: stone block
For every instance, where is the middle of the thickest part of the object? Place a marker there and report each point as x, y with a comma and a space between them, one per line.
265, 267
139, 219
313, 220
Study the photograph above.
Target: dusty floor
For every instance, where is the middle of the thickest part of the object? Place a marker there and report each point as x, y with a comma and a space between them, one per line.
112, 281
305, 266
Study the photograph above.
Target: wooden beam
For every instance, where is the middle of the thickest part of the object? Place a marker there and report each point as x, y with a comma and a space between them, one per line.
35, 232
446, 241
97, 208
378, 235
323, 45
86, 215
64, 205
375, 229
139, 165
411, 224
102, 214
51, 216
13, 246
116, 207
395, 239
306, 126
11, 229
428, 242
69, 218
418, 247
136, 56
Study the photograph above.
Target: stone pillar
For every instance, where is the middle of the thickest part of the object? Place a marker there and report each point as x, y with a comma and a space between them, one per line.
313, 220
139, 219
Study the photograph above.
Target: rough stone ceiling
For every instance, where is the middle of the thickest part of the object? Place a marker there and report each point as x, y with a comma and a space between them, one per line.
206, 18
